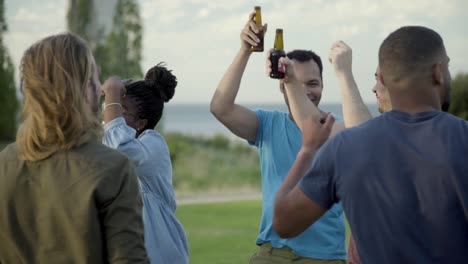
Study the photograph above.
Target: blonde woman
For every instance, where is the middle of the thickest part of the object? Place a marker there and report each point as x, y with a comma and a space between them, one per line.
64, 197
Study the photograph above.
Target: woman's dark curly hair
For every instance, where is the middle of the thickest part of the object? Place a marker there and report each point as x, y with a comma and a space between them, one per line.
150, 94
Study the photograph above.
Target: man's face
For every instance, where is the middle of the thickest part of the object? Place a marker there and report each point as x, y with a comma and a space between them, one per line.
308, 73
94, 89
381, 92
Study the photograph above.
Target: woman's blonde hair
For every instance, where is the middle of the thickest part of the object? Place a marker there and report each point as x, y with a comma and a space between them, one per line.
55, 74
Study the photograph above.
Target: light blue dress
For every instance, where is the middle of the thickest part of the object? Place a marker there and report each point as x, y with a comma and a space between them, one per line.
165, 238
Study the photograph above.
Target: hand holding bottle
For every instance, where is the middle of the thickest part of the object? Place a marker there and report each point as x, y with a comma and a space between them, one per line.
252, 34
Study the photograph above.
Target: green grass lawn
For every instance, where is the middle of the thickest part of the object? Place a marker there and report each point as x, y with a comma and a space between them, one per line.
222, 233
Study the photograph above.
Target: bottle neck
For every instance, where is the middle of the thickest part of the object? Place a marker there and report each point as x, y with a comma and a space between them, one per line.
279, 42
258, 18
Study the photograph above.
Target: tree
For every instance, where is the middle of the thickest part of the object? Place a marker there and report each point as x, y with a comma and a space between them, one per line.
8, 99
123, 45
459, 97
80, 17
119, 51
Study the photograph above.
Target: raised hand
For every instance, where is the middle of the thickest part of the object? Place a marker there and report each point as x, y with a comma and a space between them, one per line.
113, 89
247, 36
290, 71
314, 132
341, 57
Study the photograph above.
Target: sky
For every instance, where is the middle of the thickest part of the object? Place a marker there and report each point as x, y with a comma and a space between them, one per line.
198, 39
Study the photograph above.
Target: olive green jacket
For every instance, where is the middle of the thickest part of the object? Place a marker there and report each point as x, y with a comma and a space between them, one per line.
77, 206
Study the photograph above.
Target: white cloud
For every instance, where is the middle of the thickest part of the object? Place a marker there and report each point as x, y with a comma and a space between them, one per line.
169, 18
30, 22
431, 9
222, 4
152, 9
347, 31
26, 16
204, 12
199, 38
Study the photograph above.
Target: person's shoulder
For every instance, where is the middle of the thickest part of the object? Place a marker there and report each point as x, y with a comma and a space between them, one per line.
151, 133
362, 130
373, 123
153, 139
98, 155
453, 118
456, 123
9, 153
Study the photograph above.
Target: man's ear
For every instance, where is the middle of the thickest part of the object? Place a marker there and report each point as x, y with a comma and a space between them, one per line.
437, 76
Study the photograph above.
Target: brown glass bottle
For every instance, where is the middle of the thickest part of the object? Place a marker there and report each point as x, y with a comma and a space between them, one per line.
258, 22
277, 70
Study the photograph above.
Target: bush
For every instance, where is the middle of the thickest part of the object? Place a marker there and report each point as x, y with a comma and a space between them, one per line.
459, 98
206, 164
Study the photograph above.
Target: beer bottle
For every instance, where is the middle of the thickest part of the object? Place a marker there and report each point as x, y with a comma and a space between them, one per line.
277, 69
258, 22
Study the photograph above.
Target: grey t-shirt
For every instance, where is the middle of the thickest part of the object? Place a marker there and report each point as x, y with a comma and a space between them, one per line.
403, 182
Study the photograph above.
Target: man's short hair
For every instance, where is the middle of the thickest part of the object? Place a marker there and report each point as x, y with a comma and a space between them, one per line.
409, 51
305, 56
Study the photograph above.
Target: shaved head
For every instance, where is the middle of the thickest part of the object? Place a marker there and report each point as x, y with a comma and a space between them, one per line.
414, 68
409, 53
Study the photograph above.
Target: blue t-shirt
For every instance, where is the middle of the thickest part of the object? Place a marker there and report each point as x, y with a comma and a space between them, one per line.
278, 141
403, 181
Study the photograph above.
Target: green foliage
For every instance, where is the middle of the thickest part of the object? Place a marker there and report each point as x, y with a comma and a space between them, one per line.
119, 51
220, 142
202, 164
459, 98
8, 99
79, 18
3, 24
122, 48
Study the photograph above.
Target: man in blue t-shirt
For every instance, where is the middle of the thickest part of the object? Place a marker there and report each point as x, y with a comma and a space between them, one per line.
401, 177
278, 139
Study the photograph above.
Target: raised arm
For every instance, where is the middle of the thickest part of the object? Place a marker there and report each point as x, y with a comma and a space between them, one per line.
300, 106
117, 134
113, 89
240, 120
355, 112
294, 211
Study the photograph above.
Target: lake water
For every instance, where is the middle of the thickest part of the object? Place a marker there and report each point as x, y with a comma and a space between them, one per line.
196, 119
